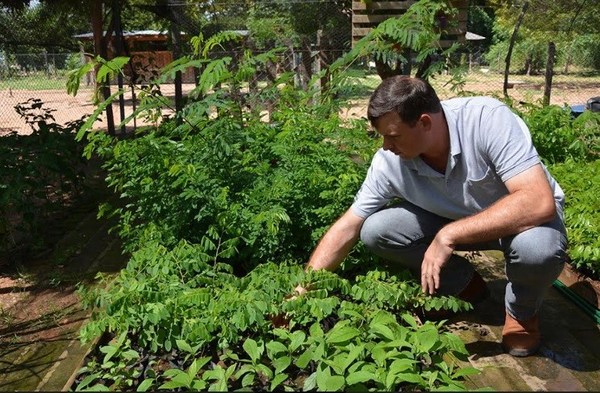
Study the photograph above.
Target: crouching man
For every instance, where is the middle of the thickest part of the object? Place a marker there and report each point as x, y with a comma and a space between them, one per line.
469, 178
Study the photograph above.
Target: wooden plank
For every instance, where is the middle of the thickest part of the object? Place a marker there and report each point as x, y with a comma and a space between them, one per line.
462, 5
382, 5
370, 18
443, 43
361, 31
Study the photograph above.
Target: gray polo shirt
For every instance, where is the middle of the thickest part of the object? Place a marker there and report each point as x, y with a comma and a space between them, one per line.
489, 144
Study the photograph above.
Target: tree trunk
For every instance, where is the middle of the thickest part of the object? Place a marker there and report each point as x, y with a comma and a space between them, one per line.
549, 72
176, 41
385, 71
120, 47
510, 47
527, 68
100, 49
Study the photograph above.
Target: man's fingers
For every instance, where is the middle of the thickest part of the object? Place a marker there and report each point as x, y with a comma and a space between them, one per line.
430, 281
300, 290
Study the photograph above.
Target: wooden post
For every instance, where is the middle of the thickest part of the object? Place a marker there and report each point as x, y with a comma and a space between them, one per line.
100, 48
549, 72
120, 47
316, 64
176, 41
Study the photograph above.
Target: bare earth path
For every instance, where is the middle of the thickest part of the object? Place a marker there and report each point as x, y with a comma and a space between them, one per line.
40, 309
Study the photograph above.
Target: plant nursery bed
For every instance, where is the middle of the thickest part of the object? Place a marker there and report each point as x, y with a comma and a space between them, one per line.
581, 289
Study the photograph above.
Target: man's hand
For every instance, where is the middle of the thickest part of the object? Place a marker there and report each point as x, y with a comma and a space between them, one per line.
436, 256
298, 291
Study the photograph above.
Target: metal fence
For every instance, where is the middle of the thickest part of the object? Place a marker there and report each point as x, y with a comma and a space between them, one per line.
575, 80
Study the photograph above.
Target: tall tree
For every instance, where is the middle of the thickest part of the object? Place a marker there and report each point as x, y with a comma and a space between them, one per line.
26, 28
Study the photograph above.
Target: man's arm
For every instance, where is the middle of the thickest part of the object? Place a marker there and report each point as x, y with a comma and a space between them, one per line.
335, 245
530, 203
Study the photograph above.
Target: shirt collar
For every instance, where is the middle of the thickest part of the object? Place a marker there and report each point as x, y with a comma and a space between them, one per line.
455, 147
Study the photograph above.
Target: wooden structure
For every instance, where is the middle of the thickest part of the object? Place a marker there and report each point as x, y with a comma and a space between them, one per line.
368, 14
149, 52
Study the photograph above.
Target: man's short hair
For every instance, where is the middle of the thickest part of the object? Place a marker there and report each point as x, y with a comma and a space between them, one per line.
409, 97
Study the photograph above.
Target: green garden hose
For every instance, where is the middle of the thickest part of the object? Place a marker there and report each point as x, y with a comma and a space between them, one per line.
589, 309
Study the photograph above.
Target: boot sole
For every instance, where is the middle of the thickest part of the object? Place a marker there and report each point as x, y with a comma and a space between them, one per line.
520, 352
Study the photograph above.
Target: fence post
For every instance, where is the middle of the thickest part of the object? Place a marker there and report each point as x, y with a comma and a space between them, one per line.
549, 72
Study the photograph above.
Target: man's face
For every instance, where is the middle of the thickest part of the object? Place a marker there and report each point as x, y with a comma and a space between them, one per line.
400, 138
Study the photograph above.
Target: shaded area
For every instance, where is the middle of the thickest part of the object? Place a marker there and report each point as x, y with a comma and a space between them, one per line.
41, 310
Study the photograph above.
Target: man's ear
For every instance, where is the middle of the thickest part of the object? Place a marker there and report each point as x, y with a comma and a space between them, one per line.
426, 121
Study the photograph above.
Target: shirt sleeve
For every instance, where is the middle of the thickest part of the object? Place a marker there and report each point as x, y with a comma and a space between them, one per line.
376, 190
507, 143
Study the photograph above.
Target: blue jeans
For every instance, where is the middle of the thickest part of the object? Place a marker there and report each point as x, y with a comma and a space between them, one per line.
534, 258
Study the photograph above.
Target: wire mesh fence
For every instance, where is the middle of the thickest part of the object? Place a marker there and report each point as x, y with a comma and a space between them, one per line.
326, 34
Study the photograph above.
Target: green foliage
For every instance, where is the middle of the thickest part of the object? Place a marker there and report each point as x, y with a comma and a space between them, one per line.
39, 174
417, 31
342, 334
219, 206
557, 136
234, 183
570, 147
581, 184
567, 23
106, 71
584, 51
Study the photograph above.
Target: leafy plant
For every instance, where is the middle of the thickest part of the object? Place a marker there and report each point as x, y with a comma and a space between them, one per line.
220, 206
580, 182
40, 174
416, 32
343, 333
557, 136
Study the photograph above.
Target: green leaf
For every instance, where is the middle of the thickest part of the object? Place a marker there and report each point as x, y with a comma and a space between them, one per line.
410, 320
278, 380
94, 116
303, 360
275, 347
326, 382
310, 383
298, 338
183, 346
359, 377
381, 330
252, 349
427, 337
281, 363
462, 372
248, 380
315, 330
410, 377
341, 333
145, 385
109, 68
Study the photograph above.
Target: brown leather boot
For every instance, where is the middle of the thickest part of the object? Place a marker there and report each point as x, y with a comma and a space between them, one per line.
521, 338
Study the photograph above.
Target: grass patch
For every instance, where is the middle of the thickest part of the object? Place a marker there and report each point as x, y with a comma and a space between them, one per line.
38, 81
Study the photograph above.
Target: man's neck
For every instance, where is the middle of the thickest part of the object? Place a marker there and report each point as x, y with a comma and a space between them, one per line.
437, 155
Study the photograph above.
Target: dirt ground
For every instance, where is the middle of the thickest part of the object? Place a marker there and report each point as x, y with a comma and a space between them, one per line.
68, 108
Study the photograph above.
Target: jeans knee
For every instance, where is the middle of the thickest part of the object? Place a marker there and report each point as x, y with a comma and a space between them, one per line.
377, 233
371, 232
540, 252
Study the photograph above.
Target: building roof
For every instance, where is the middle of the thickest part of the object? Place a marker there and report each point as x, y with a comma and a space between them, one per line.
473, 37
135, 33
